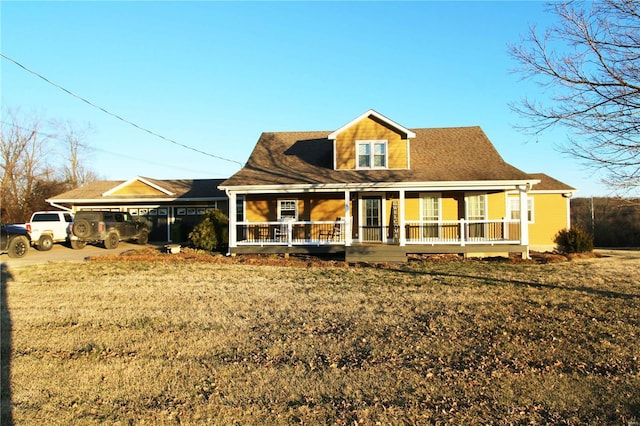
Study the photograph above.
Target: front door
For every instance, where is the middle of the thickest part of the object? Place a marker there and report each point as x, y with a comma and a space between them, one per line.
372, 219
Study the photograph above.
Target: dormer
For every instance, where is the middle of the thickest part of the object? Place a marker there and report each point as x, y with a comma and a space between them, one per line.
371, 142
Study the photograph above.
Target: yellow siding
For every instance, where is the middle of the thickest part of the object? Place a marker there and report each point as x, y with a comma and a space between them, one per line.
260, 210
370, 129
138, 188
326, 209
496, 206
451, 206
412, 207
550, 216
310, 207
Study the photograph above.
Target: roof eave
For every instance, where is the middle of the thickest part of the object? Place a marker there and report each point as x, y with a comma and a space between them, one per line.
381, 186
380, 117
141, 179
131, 200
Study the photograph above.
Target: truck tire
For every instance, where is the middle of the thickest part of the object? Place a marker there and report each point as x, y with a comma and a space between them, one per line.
82, 228
77, 244
111, 241
45, 243
143, 238
18, 246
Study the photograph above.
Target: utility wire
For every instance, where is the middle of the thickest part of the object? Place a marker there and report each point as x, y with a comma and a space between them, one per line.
131, 123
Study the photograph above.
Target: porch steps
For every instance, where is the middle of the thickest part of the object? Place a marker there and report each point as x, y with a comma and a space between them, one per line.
375, 253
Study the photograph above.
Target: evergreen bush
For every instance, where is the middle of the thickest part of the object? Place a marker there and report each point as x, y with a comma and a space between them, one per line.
574, 240
212, 233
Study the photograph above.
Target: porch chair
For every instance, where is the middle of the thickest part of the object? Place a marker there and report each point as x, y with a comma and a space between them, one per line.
332, 233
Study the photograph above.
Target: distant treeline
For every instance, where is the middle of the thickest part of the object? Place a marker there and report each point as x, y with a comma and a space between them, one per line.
613, 222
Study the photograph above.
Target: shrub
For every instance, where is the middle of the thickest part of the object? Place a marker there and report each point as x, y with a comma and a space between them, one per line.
212, 233
574, 240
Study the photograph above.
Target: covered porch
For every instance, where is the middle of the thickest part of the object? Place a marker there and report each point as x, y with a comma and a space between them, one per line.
299, 222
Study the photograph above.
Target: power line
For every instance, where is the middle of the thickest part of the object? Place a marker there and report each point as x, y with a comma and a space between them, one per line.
131, 123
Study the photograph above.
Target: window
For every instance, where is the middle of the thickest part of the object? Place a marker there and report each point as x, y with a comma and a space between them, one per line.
476, 207
430, 207
514, 209
372, 154
476, 212
430, 215
240, 199
288, 209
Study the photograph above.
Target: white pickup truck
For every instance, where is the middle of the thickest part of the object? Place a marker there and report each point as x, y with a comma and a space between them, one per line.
46, 228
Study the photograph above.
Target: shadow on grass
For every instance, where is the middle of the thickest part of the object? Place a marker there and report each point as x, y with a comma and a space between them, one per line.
6, 414
529, 284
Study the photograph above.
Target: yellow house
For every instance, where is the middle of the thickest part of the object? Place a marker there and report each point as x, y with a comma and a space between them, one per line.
376, 190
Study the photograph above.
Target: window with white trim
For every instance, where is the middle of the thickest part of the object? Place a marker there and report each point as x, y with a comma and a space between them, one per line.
371, 154
430, 213
476, 207
240, 208
513, 210
288, 209
430, 207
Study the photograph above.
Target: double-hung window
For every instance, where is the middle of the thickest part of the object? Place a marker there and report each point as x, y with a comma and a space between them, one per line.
514, 209
287, 210
372, 154
430, 215
476, 214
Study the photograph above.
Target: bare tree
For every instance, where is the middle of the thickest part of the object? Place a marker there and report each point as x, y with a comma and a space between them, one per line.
22, 151
75, 173
33, 169
588, 65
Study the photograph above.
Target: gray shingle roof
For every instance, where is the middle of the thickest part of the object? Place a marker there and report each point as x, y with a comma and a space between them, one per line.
437, 155
547, 183
182, 188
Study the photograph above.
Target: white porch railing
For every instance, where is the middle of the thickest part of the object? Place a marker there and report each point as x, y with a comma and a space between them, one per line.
502, 231
458, 232
291, 233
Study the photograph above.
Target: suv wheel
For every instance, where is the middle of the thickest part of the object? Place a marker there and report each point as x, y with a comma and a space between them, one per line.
143, 238
82, 228
18, 246
45, 243
111, 241
77, 244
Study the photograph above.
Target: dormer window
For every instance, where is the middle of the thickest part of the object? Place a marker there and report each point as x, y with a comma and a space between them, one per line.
372, 154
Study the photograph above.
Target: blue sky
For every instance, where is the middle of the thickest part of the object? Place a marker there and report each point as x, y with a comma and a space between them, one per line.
215, 75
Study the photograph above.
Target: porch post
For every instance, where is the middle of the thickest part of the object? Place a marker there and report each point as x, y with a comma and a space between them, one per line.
403, 236
524, 221
232, 219
347, 218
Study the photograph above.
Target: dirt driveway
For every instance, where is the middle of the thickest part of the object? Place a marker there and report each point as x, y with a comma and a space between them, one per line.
63, 253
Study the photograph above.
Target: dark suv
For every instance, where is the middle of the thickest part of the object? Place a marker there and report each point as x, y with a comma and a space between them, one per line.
106, 227
14, 240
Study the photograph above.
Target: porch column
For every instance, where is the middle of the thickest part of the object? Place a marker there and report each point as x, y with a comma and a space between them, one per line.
347, 218
403, 236
232, 219
524, 220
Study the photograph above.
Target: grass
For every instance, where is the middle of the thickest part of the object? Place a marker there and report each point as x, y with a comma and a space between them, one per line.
230, 341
